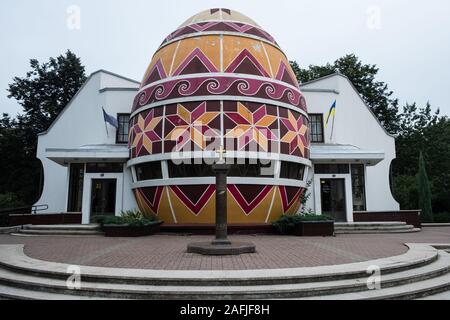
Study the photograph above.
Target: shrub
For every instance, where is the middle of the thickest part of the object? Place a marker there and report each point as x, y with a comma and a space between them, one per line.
424, 192
314, 217
286, 224
4, 220
442, 217
133, 218
10, 201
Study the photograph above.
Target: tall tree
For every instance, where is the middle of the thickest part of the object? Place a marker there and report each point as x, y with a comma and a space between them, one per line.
46, 89
42, 93
375, 93
424, 192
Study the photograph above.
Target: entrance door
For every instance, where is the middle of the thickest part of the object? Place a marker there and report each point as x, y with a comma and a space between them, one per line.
332, 193
103, 197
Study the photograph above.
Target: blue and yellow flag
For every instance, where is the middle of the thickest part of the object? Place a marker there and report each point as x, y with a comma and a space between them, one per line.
331, 112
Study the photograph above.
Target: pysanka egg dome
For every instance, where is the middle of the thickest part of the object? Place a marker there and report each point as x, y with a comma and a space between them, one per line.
219, 82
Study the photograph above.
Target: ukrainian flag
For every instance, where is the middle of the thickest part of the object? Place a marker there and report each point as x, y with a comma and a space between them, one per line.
331, 112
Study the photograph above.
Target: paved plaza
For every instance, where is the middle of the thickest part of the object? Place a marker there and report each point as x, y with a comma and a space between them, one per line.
168, 252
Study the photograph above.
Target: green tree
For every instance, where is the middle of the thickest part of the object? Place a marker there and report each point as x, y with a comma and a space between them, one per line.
46, 89
414, 128
42, 93
375, 93
424, 192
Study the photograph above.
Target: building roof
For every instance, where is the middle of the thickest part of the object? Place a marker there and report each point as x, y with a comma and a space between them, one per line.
88, 153
338, 74
81, 89
344, 153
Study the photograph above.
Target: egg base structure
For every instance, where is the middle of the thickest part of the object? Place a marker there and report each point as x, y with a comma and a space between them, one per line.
219, 82
221, 249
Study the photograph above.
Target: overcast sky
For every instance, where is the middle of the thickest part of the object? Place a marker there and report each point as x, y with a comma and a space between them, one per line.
408, 39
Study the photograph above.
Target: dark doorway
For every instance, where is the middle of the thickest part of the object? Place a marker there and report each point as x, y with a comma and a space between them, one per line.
332, 194
103, 197
76, 178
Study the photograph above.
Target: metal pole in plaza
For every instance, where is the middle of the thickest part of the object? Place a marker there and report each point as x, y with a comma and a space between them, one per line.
221, 245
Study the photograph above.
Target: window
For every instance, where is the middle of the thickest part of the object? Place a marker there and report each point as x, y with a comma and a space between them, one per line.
76, 178
292, 170
149, 171
103, 167
240, 168
316, 122
184, 170
122, 132
252, 168
358, 187
335, 168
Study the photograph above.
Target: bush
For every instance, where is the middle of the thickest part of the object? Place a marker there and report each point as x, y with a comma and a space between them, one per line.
314, 217
133, 218
4, 220
442, 217
10, 201
286, 224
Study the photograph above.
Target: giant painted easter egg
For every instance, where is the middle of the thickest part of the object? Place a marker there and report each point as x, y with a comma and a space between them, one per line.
219, 82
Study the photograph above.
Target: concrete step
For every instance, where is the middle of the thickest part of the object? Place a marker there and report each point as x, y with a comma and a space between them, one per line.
80, 227
369, 224
25, 294
412, 230
407, 227
353, 227
294, 290
13, 258
407, 291
60, 232
445, 295
373, 227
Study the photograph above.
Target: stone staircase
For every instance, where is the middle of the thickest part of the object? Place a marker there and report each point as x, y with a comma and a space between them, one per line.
423, 271
373, 227
61, 230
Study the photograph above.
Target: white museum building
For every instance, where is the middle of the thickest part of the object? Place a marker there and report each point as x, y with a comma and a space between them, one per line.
85, 158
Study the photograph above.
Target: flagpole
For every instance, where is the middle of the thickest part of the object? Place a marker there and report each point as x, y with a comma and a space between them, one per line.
332, 126
106, 125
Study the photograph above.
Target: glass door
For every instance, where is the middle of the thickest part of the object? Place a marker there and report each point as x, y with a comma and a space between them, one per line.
103, 197
332, 193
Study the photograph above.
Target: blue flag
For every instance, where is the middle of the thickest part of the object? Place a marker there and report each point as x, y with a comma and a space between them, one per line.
110, 119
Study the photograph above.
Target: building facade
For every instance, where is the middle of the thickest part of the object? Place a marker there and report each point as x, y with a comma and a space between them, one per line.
218, 87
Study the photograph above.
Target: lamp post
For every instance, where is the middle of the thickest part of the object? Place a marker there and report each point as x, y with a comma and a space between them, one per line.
221, 245
221, 169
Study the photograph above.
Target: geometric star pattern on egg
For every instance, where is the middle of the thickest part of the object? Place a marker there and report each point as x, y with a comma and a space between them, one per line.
144, 131
251, 126
192, 126
296, 134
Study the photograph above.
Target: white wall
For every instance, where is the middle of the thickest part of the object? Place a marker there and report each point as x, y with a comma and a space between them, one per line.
355, 125
81, 123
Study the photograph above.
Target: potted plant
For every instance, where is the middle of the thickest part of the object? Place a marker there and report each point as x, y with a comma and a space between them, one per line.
305, 225
312, 225
131, 223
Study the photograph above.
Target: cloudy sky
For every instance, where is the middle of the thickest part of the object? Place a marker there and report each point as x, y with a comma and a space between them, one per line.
408, 39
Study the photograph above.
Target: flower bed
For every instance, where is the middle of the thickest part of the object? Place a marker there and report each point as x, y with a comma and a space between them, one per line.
130, 224
308, 225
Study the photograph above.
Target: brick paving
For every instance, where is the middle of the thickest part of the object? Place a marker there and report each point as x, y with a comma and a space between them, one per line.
169, 251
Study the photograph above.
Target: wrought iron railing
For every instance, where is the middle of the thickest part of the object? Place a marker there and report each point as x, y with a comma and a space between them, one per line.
24, 210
